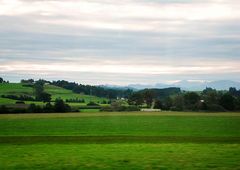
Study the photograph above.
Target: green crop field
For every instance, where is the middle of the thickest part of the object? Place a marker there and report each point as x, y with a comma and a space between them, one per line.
135, 140
56, 92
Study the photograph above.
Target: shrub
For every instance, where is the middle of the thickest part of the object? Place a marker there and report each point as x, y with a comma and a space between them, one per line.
215, 108
21, 97
106, 109
132, 108
92, 104
34, 109
120, 109
3, 109
60, 106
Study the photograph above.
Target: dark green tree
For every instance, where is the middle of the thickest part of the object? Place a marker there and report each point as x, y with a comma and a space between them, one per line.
60, 106
228, 102
136, 99
49, 108
40, 95
210, 96
148, 97
178, 103
45, 97
34, 108
167, 103
29, 81
191, 100
158, 104
38, 90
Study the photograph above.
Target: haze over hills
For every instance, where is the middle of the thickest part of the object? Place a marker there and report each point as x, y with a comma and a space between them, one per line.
191, 85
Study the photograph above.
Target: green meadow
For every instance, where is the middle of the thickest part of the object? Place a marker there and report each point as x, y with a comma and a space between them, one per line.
56, 92
120, 156
134, 140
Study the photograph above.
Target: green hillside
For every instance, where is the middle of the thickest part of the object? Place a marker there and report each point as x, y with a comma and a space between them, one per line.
56, 92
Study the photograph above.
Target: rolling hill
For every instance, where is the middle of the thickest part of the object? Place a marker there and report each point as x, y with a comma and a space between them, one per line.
56, 92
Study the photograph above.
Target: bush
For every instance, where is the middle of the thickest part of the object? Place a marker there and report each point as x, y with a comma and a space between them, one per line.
106, 109
77, 100
120, 109
92, 104
132, 108
34, 109
3, 109
215, 108
21, 97
60, 106
90, 107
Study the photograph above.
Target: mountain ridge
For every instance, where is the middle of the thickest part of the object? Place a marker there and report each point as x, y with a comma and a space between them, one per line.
191, 85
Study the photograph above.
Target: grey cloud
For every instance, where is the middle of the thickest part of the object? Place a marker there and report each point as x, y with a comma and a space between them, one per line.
24, 38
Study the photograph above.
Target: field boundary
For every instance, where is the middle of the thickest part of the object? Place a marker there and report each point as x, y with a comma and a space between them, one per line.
114, 139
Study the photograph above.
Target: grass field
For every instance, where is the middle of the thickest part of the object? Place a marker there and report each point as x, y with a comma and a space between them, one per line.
56, 92
120, 156
165, 140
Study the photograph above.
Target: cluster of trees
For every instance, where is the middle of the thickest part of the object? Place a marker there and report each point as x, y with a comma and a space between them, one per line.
76, 100
28, 81
148, 96
91, 103
40, 94
3, 81
207, 100
58, 107
99, 91
38, 87
119, 106
93, 90
21, 97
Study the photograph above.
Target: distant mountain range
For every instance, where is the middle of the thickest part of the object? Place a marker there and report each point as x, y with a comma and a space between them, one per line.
191, 85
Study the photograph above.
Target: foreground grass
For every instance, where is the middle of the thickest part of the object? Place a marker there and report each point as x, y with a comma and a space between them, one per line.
120, 156
136, 140
114, 124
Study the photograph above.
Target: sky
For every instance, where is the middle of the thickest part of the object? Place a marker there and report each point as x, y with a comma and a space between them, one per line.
120, 42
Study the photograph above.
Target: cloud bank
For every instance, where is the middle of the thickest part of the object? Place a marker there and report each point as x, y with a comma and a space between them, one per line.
130, 41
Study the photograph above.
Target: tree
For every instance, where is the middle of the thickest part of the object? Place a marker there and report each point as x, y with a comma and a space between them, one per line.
167, 103
3, 109
148, 96
49, 108
45, 97
38, 90
29, 81
233, 91
40, 95
34, 108
191, 100
228, 102
1, 80
158, 104
210, 96
237, 104
136, 99
60, 106
178, 103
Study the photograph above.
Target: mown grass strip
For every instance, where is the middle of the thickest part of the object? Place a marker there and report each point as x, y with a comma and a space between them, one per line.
114, 139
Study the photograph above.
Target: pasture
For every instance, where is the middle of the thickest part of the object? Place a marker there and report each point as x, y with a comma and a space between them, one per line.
56, 92
136, 140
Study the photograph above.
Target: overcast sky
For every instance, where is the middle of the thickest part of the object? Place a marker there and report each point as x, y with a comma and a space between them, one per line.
120, 42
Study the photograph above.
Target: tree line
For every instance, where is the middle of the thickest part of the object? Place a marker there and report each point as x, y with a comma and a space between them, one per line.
165, 99
93, 90
98, 91
59, 106
176, 100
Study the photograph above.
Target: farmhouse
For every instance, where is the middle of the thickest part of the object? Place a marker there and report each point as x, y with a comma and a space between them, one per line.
151, 110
